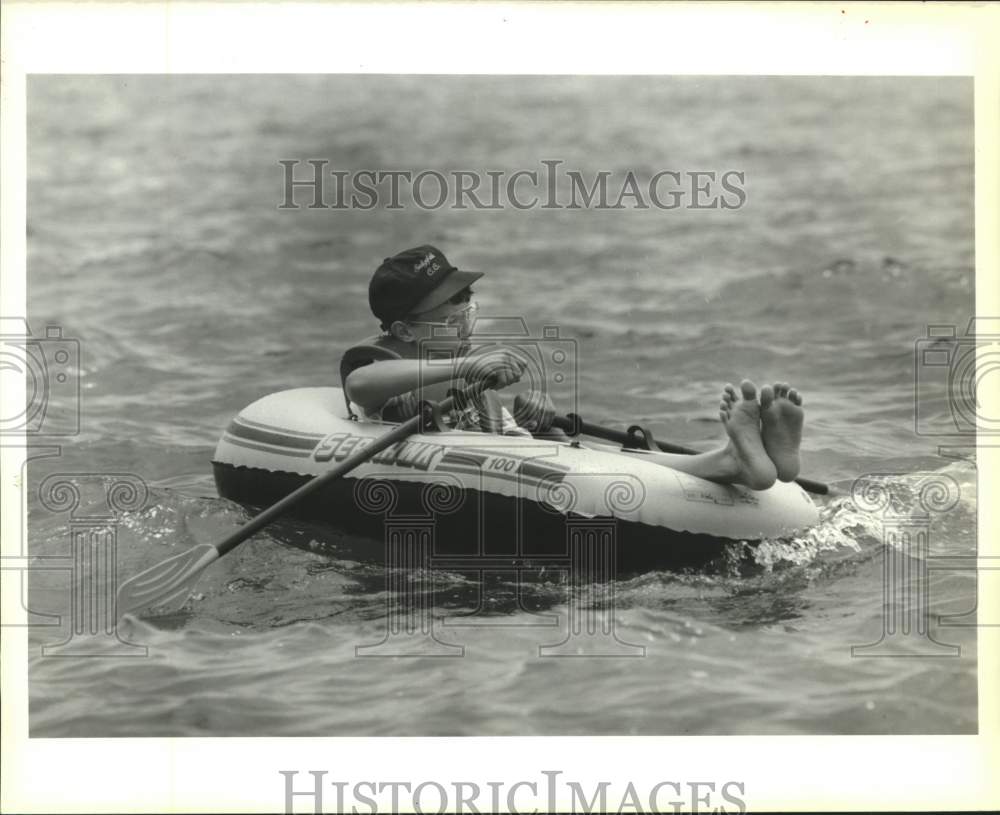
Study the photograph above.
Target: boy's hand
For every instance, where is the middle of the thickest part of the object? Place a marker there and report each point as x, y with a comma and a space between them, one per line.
534, 411
498, 366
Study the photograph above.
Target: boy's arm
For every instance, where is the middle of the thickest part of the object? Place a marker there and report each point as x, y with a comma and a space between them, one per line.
372, 385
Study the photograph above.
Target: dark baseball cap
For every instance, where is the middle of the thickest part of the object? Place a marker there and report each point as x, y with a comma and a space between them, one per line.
415, 281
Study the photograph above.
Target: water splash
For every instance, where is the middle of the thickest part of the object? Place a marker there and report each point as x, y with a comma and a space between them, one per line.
856, 522
841, 526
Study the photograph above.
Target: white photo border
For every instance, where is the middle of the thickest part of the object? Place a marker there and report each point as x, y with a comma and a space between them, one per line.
782, 773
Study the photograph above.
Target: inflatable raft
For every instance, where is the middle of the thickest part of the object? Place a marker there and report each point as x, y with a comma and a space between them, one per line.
486, 500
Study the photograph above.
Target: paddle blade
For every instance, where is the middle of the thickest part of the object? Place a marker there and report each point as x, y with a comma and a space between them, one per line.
167, 585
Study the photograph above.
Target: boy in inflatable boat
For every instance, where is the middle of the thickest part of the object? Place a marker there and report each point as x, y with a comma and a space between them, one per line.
417, 294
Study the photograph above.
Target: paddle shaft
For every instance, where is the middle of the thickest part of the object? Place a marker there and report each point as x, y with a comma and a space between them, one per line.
574, 424
258, 522
408, 428
568, 425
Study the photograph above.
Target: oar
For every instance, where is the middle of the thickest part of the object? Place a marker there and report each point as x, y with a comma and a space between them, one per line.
573, 425
167, 585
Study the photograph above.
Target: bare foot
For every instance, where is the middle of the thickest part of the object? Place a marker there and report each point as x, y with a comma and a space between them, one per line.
741, 418
781, 417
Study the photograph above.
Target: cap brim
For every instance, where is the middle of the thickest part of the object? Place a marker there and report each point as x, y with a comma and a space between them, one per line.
451, 286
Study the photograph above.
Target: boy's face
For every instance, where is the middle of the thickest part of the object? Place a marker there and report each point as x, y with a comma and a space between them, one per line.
458, 312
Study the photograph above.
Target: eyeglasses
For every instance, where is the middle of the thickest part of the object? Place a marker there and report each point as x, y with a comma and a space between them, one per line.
465, 314
457, 318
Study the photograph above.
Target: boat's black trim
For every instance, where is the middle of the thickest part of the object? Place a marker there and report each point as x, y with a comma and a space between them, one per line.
484, 527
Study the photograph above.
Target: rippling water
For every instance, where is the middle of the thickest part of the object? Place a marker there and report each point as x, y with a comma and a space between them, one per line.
156, 241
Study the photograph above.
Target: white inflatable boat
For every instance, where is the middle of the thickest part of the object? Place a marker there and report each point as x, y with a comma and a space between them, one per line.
492, 499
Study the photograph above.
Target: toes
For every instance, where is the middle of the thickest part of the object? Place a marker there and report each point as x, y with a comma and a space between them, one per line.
749, 390
724, 406
724, 416
766, 397
794, 396
730, 391
780, 390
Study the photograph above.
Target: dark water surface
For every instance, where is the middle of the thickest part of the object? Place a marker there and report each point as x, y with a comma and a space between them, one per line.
155, 239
